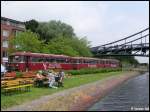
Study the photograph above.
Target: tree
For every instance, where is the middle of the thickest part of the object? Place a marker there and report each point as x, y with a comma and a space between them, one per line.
51, 37
81, 46
27, 41
68, 46
31, 25
54, 29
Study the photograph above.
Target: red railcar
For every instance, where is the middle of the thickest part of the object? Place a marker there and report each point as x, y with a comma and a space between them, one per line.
23, 61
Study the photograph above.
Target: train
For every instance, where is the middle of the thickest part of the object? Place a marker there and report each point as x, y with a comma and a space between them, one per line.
28, 61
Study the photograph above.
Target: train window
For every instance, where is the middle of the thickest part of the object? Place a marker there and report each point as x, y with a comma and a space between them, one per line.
100, 62
75, 61
107, 62
112, 62
47, 60
94, 61
80, 61
40, 59
34, 59
97, 61
91, 61
52, 60
103, 62
67, 60
71, 60
60, 60
44, 60
84, 61
63, 60
17, 59
88, 61
37, 59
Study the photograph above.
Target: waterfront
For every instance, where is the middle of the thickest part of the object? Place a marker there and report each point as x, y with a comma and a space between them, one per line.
132, 95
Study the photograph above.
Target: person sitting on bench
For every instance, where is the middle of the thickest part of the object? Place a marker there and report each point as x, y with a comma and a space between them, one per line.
39, 79
61, 75
51, 77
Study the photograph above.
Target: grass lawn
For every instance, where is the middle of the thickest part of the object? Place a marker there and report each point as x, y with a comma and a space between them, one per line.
16, 99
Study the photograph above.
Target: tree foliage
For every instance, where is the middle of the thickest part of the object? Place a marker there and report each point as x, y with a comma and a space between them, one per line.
31, 25
27, 41
69, 46
59, 38
51, 29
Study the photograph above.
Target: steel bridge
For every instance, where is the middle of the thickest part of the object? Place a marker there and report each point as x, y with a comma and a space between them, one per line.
133, 45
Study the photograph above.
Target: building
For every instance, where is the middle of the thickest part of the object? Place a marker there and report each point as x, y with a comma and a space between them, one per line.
9, 29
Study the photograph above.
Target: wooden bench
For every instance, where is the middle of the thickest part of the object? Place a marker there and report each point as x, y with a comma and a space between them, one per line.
9, 90
20, 88
16, 85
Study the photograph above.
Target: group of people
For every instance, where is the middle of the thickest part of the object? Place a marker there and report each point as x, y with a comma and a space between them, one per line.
51, 76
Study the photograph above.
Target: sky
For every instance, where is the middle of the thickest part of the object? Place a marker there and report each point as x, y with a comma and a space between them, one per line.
100, 21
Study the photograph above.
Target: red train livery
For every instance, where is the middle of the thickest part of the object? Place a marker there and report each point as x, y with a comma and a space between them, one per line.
23, 61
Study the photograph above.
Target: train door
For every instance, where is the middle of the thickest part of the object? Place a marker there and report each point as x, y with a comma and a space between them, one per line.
74, 64
27, 68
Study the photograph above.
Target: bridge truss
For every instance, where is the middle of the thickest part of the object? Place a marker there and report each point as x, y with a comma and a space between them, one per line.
133, 45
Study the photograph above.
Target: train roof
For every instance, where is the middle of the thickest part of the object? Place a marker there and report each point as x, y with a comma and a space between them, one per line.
38, 54
62, 56
90, 58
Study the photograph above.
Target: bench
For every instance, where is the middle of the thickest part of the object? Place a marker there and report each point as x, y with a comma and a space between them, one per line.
16, 85
19, 88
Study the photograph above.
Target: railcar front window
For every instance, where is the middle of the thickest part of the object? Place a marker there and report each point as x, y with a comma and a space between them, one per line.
16, 59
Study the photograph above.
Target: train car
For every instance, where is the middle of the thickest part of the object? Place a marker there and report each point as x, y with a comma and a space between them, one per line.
27, 61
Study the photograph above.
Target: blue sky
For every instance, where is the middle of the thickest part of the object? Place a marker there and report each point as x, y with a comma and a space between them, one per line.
100, 22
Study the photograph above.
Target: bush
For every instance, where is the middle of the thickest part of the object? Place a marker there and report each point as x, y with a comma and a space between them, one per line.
19, 74
92, 70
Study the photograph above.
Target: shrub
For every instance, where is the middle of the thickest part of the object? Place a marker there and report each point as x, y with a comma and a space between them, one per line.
92, 70
19, 74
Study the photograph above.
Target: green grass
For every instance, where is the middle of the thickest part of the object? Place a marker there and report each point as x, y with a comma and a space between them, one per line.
74, 81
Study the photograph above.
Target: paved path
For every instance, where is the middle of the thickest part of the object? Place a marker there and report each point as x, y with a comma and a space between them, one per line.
77, 98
